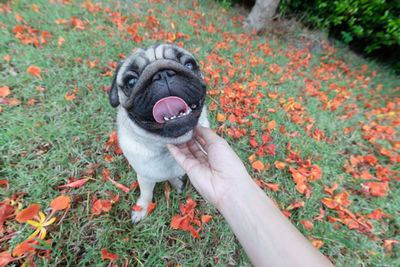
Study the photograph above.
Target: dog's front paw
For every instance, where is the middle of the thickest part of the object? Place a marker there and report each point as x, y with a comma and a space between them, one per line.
137, 216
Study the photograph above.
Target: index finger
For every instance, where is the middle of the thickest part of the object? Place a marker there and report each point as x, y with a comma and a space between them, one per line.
208, 136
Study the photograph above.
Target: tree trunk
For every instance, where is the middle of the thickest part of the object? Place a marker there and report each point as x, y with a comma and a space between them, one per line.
261, 14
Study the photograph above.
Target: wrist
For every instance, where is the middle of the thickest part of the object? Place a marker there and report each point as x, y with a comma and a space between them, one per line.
236, 193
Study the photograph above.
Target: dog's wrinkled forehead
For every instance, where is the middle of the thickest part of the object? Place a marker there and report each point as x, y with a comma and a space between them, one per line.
141, 58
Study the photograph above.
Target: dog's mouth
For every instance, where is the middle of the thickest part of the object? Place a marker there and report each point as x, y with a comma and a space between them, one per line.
171, 111
170, 108
171, 116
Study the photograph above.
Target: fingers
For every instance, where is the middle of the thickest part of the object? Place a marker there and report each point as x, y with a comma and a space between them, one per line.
200, 146
197, 152
178, 154
200, 141
208, 136
188, 155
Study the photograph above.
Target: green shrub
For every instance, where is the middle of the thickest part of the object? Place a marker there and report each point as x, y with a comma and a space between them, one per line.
371, 26
368, 26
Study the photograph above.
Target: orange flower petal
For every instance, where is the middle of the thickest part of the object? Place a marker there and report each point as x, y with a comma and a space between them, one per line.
258, 165
151, 207
136, 208
205, 218
24, 247
105, 255
307, 224
221, 117
60, 203
28, 213
280, 165
75, 184
377, 214
35, 71
176, 221
318, 243
70, 96
4, 91
6, 258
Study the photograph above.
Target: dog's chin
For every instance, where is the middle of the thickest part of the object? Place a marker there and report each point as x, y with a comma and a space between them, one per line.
169, 129
178, 127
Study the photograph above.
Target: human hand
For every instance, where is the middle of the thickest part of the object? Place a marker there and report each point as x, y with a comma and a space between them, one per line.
214, 174
265, 233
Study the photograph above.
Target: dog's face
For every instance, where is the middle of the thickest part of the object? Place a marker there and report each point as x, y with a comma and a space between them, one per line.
161, 88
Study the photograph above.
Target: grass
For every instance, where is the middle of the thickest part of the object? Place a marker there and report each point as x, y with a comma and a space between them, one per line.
46, 139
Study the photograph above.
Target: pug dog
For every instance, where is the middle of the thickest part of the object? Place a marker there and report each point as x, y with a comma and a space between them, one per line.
159, 93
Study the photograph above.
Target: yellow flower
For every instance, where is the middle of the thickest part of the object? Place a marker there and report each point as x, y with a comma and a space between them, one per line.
40, 226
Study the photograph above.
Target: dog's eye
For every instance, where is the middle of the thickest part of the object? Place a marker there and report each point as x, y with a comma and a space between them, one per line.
189, 65
132, 82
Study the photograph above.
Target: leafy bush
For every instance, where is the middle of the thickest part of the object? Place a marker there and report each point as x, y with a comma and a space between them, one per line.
371, 26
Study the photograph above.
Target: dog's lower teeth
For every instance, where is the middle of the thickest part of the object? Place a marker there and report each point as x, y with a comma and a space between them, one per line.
193, 106
181, 114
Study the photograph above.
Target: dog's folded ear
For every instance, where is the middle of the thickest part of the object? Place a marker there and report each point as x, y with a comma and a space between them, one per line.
113, 94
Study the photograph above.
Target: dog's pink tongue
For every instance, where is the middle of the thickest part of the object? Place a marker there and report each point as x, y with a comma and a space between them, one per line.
168, 107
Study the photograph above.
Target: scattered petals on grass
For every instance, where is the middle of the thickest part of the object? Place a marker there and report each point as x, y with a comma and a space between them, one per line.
28, 213
388, 243
7, 57
113, 143
280, 165
70, 96
316, 242
188, 217
106, 255
205, 219
307, 224
221, 117
5, 258
5, 183
35, 71
4, 91
24, 247
7, 211
377, 214
60, 203
258, 165
106, 176
328, 126
151, 207
75, 184
103, 205
61, 41
295, 205
379, 189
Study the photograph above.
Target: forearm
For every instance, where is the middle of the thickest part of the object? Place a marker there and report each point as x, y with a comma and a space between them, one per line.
266, 235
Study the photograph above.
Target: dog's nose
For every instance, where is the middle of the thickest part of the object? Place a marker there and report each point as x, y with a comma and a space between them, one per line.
164, 75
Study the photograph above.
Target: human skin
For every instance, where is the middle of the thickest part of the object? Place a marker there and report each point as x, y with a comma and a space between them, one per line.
219, 175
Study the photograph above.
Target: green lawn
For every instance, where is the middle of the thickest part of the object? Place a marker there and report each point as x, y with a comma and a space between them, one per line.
285, 96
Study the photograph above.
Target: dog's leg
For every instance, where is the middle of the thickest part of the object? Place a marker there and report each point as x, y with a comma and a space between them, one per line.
178, 184
146, 195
